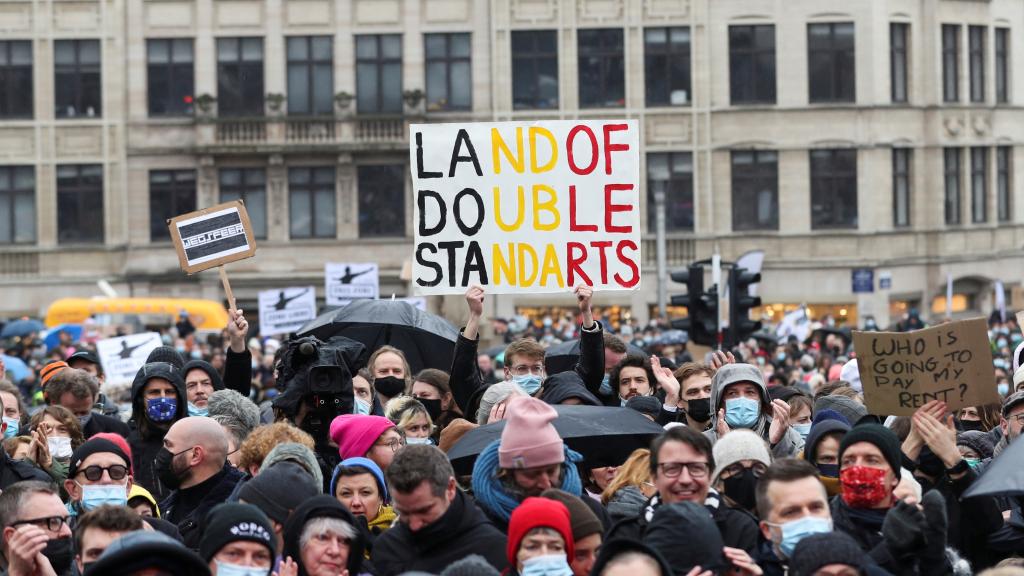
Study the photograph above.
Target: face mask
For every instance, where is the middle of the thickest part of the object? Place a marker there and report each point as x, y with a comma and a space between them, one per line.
803, 429
194, 410
548, 565
528, 382
433, 408
971, 425
225, 569
58, 551
13, 427
1001, 344
740, 488
362, 407
96, 495
389, 386
780, 358
83, 420
180, 349
163, 465
741, 412
161, 409
606, 385
196, 354
60, 446
1003, 388
795, 531
863, 487
699, 409
829, 470
424, 441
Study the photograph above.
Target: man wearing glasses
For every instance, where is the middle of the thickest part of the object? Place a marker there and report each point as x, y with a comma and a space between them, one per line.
99, 473
36, 535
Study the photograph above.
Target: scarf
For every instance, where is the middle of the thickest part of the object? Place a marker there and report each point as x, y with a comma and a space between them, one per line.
495, 498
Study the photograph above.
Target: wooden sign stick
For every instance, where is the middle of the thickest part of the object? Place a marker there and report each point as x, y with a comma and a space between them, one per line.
227, 287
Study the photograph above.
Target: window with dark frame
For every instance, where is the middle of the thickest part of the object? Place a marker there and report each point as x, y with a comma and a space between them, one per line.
80, 204
170, 76
534, 69
667, 66
381, 200
240, 77
1002, 65
311, 202
755, 190
379, 74
831, 62
171, 193
672, 173
449, 71
752, 64
310, 75
901, 162
951, 158
899, 34
976, 54
979, 184
833, 189
250, 186
950, 62
16, 85
602, 69
17, 205
1004, 184
78, 88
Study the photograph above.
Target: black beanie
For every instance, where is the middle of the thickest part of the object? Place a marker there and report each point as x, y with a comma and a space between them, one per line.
232, 522
166, 354
95, 446
883, 438
818, 550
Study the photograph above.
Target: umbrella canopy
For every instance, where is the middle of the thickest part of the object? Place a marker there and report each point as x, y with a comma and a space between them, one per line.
16, 368
1004, 476
672, 337
427, 340
562, 357
21, 328
605, 436
52, 338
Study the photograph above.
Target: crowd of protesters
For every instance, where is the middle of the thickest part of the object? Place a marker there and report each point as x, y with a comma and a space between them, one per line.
219, 462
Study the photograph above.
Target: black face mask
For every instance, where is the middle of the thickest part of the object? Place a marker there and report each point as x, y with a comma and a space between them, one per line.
163, 466
433, 408
741, 489
58, 551
971, 425
389, 386
699, 409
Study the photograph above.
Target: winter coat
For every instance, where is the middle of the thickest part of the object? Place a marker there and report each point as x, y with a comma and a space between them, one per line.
101, 423
147, 438
237, 372
190, 521
790, 444
13, 471
868, 534
627, 502
971, 522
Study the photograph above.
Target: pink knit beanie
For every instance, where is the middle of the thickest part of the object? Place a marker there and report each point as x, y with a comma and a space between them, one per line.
529, 440
355, 433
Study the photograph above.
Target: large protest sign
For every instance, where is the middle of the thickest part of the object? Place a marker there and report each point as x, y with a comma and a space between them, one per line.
526, 207
286, 310
122, 357
901, 371
347, 281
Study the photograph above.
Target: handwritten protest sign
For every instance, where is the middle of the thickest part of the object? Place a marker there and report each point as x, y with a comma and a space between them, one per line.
286, 310
901, 371
526, 207
348, 281
122, 357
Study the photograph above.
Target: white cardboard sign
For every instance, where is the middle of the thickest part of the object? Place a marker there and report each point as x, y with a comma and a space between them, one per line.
122, 357
347, 281
285, 310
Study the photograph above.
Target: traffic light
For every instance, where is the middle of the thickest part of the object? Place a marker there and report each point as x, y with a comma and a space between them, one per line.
702, 307
740, 324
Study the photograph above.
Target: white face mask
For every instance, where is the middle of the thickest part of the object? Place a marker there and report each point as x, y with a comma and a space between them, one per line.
60, 446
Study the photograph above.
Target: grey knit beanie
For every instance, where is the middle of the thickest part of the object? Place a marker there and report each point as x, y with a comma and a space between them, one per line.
739, 444
493, 395
295, 452
848, 407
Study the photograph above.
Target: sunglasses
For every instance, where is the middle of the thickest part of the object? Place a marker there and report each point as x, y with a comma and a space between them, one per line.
94, 473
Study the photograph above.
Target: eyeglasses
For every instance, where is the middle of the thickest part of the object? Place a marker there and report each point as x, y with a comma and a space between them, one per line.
94, 473
674, 469
736, 469
524, 369
1018, 417
53, 523
395, 444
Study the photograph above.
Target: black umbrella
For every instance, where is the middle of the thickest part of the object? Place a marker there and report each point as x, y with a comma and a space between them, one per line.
428, 341
562, 357
605, 436
1004, 475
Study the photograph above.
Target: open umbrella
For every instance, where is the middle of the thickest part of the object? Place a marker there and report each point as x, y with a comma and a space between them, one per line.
605, 436
1004, 475
21, 328
562, 357
427, 340
52, 338
16, 368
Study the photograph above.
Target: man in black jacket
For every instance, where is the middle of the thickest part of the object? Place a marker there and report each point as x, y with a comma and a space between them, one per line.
438, 524
158, 401
77, 390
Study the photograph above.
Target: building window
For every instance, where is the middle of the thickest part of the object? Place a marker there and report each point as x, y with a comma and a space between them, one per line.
381, 200
240, 76
602, 72
976, 52
671, 173
898, 40
534, 69
979, 185
170, 76
752, 64
952, 176
80, 204
1004, 165
379, 74
449, 75
667, 66
831, 62
901, 160
833, 189
17, 205
250, 186
755, 190
311, 202
77, 85
171, 193
310, 75
1002, 65
950, 63
16, 86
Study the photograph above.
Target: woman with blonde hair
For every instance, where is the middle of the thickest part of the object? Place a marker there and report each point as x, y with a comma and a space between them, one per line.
411, 418
629, 490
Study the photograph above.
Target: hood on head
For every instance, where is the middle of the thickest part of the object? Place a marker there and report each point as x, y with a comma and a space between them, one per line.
157, 370
731, 374
218, 382
322, 506
565, 385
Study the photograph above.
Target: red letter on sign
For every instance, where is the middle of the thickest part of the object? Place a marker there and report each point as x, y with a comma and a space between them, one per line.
574, 263
610, 208
628, 261
573, 226
593, 150
609, 147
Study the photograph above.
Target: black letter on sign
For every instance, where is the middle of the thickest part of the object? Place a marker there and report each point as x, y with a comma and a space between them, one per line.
450, 247
419, 159
474, 262
464, 137
428, 264
421, 199
457, 211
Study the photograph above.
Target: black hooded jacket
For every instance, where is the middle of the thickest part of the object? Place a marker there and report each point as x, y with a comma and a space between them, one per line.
189, 516
146, 437
462, 530
565, 385
619, 546
691, 523
322, 506
235, 378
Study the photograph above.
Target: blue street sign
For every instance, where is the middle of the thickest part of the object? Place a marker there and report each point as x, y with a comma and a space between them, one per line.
863, 280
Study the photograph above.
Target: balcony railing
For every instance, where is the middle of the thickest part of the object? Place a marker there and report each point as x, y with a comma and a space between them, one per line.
355, 131
678, 251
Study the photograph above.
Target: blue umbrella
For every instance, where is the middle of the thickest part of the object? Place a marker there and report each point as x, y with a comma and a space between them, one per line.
21, 328
16, 368
52, 338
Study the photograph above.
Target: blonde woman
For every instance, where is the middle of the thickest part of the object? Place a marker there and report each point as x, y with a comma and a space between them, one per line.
629, 490
411, 418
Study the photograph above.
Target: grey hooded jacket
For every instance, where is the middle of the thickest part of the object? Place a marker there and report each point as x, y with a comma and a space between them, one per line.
790, 444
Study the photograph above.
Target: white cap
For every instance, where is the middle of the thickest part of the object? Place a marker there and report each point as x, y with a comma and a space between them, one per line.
851, 374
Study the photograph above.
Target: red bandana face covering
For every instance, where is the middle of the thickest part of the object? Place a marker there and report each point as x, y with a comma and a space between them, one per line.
863, 487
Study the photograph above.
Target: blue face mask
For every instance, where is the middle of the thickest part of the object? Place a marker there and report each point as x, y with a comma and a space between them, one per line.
780, 357
548, 565
528, 382
362, 407
1003, 388
803, 429
96, 495
225, 569
606, 385
742, 412
161, 409
194, 410
13, 427
425, 441
796, 530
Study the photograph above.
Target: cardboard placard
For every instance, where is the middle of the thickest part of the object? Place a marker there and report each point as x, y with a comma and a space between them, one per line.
286, 310
526, 207
212, 236
122, 357
348, 281
901, 371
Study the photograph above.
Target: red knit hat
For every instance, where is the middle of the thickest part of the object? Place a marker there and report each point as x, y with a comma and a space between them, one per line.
539, 513
355, 433
529, 439
120, 442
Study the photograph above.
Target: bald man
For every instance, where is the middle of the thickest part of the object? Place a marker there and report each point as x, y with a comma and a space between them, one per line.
193, 463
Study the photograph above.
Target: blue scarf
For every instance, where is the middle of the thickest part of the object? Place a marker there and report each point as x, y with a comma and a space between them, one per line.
494, 497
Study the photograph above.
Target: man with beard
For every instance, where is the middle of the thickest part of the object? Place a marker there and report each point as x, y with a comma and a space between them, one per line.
36, 535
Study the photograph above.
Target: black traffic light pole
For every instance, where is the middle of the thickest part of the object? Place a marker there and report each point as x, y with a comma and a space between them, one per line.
702, 324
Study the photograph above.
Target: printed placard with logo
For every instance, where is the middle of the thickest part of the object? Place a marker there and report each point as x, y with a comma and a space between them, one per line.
122, 357
286, 310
